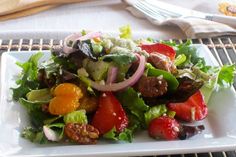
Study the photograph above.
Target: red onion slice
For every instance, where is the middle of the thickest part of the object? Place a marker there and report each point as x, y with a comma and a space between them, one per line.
78, 36
67, 49
50, 134
111, 75
90, 35
121, 85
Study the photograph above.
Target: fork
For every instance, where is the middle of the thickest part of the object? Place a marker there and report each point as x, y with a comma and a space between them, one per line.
160, 14
154, 11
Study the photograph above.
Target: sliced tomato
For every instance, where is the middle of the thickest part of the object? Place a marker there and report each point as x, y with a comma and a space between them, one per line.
110, 114
194, 109
160, 48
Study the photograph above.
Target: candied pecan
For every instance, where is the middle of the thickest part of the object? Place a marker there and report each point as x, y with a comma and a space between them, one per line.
81, 133
152, 86
89, 103
162, 62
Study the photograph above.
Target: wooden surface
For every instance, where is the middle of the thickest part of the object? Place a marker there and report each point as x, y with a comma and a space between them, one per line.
26, 12
10, 9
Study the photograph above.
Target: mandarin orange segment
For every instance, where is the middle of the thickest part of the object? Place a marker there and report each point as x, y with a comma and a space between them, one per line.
66, 99
62, 105
65, 89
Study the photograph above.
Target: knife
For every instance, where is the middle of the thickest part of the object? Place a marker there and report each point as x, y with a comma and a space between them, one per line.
185, 13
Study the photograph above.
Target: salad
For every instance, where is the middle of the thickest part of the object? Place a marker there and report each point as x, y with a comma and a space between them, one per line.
98, 86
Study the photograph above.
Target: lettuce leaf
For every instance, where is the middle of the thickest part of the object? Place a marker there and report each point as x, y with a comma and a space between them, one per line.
37, 117
126, 135
226, 76
38, 136
223, 77
43, 95
31, 106
51, 120
134, 104
58, 128
214, 77
34, 135
121, 56
190, 52
154, 112
76, 117
28, 77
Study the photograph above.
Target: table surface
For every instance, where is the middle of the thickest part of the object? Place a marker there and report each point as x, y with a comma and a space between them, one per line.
102, 15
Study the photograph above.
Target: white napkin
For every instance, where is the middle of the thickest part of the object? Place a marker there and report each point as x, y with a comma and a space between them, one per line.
192, 27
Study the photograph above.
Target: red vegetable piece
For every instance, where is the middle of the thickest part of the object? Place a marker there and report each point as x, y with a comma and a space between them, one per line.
194, 109
164, 128
109, 114
160, 48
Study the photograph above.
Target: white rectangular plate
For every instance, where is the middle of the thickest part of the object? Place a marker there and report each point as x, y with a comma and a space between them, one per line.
220, 133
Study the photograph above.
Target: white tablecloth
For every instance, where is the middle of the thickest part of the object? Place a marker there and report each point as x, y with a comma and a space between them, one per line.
103, 15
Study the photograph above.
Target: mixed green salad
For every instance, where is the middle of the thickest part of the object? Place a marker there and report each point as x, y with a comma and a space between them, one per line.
98, 86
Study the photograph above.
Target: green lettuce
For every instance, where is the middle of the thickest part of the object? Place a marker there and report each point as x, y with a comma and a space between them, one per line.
126, 135
226, 76
154, 112
180, 59
38, 136
34, 109
134, 104
42, 95
189, 54
34, 135
76, 117
28, 77
120, 56
221, 77
214, 77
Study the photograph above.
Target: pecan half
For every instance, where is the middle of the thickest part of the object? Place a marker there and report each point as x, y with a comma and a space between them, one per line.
82, 133
152, 86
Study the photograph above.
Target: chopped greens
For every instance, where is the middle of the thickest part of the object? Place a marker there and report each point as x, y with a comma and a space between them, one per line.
226, 76
34, 109
41, 95
134, 105
223, 77
154, 112
120, 56
189, 51
180, 59
78, 116
34, 136
28, 79
31, 106
125, 135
